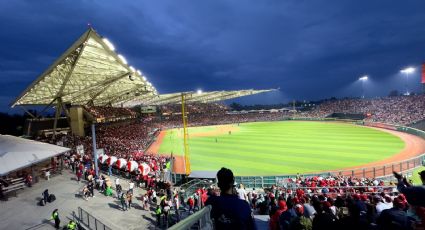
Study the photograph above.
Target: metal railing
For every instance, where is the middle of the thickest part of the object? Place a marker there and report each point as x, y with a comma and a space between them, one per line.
199, 220
90, 221
190, 188
383, 171
343, 190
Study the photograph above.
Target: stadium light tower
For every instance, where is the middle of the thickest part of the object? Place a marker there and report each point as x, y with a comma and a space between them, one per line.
407, 71
363, 79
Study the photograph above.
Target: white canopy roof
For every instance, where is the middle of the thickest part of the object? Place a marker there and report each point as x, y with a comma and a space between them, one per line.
203, 97
90, 71
17, 153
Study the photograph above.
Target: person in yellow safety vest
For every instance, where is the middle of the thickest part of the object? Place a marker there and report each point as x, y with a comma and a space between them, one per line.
71, 225
162, 200
55, 217
158, 212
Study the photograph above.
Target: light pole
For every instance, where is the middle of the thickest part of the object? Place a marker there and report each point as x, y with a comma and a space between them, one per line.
407, 71
363, 79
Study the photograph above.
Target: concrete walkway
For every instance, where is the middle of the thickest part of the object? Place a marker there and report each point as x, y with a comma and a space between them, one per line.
23, 211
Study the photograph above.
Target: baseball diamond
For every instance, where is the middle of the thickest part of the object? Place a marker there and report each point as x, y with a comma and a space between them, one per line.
273, 148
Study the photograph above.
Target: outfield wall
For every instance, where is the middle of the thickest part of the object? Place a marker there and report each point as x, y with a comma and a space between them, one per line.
383, 171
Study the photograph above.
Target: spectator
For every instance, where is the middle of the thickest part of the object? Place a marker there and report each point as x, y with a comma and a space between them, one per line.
274, 220
324, 219
394, 218
228, 211
300, 222
414, 194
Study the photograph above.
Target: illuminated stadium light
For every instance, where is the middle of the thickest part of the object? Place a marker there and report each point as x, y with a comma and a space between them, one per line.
109, 44
408, 70
132, 69
139, 72
144, 78
199, 91
122, 58
363, 78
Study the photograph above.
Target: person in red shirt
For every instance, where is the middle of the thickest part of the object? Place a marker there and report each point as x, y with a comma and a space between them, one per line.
79, 175
274, 220
191, 204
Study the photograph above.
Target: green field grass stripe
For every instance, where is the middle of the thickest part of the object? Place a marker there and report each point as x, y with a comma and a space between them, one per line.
278, 148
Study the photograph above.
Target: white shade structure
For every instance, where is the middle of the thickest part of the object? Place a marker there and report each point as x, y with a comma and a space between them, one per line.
17, 153
121, 163
111, 160
102, 158
132, 165
144, 169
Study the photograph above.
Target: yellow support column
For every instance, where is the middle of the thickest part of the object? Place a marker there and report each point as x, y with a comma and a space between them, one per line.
185, 137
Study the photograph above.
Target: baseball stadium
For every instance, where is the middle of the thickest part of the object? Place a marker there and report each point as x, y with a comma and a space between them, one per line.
110, 122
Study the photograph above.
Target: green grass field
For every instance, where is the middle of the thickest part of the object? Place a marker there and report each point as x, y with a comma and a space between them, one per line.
287, 147
415, 176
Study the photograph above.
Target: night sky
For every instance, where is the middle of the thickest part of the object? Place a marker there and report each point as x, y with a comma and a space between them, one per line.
310, 49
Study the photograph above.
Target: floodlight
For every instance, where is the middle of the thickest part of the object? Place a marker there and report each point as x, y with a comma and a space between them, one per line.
144, 78
122, 58
408, 70
132, 69
139, 72
199, 91
363, 78
109, 44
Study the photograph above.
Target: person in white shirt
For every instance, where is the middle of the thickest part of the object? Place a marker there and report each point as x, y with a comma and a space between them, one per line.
381, 205
145, 202
241, 192
154, 196
131, 186
47, 174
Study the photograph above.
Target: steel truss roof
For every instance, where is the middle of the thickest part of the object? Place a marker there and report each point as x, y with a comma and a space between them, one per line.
205, 97
89, 72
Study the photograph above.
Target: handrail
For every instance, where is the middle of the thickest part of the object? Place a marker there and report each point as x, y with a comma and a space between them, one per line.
389, 164
188, 184
193, 187
343, 187
201, 217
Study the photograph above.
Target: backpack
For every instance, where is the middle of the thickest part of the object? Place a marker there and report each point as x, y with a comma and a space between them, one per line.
51, 198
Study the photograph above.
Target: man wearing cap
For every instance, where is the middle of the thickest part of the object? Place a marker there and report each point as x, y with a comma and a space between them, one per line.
414, 194
324, 219
300, 222
395, 217
228, 211
382, 205
274, 220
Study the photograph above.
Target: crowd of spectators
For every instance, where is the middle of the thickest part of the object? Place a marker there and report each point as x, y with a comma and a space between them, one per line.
105, 114
191, 108
361, 203
401, 110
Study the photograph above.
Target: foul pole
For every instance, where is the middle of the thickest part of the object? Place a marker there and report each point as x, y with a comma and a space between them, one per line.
185, 136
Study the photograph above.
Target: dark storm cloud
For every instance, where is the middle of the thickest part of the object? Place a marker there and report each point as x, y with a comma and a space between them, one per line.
311, 49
